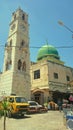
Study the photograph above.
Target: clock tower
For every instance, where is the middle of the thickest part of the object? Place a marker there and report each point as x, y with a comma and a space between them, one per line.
17, 56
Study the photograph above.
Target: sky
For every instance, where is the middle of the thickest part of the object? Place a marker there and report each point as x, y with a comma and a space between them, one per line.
43, 17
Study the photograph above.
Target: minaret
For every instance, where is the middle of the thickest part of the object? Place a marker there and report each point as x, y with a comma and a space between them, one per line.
17, 55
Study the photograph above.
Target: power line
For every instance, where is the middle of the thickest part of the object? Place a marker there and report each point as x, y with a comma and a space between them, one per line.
35, 46
55, 47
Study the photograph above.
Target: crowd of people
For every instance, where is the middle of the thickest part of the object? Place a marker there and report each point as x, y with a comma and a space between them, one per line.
61, 103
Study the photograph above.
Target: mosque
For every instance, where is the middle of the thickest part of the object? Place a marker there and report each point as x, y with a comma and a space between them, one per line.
50, 78
46, 79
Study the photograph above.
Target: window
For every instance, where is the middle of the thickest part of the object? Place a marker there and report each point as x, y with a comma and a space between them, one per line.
19, 64
24, 66
23, 17
11, 43
68, 78
56, 75
22, 43
11, 100
20, 100
14, 16
33, 103
37, 74
8, 65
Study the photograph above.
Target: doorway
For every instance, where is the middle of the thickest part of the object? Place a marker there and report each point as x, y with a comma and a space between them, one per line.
39, 97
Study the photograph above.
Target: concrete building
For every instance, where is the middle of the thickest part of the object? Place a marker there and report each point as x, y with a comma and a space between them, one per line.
15, 78
49, 76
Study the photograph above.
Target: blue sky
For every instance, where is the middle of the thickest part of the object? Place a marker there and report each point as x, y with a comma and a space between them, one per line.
43, 19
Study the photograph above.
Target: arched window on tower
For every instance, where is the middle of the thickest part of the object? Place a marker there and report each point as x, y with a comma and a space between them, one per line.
14, 16
10, 64
24, 66
7, 66
19, 64
23, 17
11, 43
22, 43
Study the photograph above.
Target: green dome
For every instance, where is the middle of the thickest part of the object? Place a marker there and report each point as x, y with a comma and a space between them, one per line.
47, 50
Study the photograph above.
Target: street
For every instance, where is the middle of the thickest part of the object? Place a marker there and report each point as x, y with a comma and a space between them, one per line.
52, 120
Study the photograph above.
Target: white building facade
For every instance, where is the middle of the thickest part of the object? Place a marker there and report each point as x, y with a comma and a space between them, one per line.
15, 78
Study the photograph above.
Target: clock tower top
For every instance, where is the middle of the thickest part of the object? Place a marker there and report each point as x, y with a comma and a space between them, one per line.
19, 22
19, 14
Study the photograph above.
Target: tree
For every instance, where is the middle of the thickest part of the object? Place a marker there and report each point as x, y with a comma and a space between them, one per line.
4, 108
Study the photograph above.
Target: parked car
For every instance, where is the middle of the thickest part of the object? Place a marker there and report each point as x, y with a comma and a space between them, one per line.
35, 107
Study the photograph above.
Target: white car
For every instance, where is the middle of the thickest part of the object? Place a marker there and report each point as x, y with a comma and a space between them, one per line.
35, 107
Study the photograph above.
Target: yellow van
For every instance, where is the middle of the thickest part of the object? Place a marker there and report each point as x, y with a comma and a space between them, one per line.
17, 106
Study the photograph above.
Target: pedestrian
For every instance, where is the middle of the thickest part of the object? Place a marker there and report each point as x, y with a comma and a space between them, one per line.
60, 105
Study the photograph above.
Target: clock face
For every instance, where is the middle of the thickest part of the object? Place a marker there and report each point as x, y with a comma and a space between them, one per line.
22, 27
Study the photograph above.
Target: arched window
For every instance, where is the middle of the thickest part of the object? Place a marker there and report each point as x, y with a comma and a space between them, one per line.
23, 17
19, 64
10, 64
14, 16
11, 43
7, 66
24, 66
22, 43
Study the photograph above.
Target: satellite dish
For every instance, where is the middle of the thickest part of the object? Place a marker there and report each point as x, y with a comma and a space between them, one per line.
70, 124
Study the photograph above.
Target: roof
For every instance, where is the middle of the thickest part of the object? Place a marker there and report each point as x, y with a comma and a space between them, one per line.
47, 50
